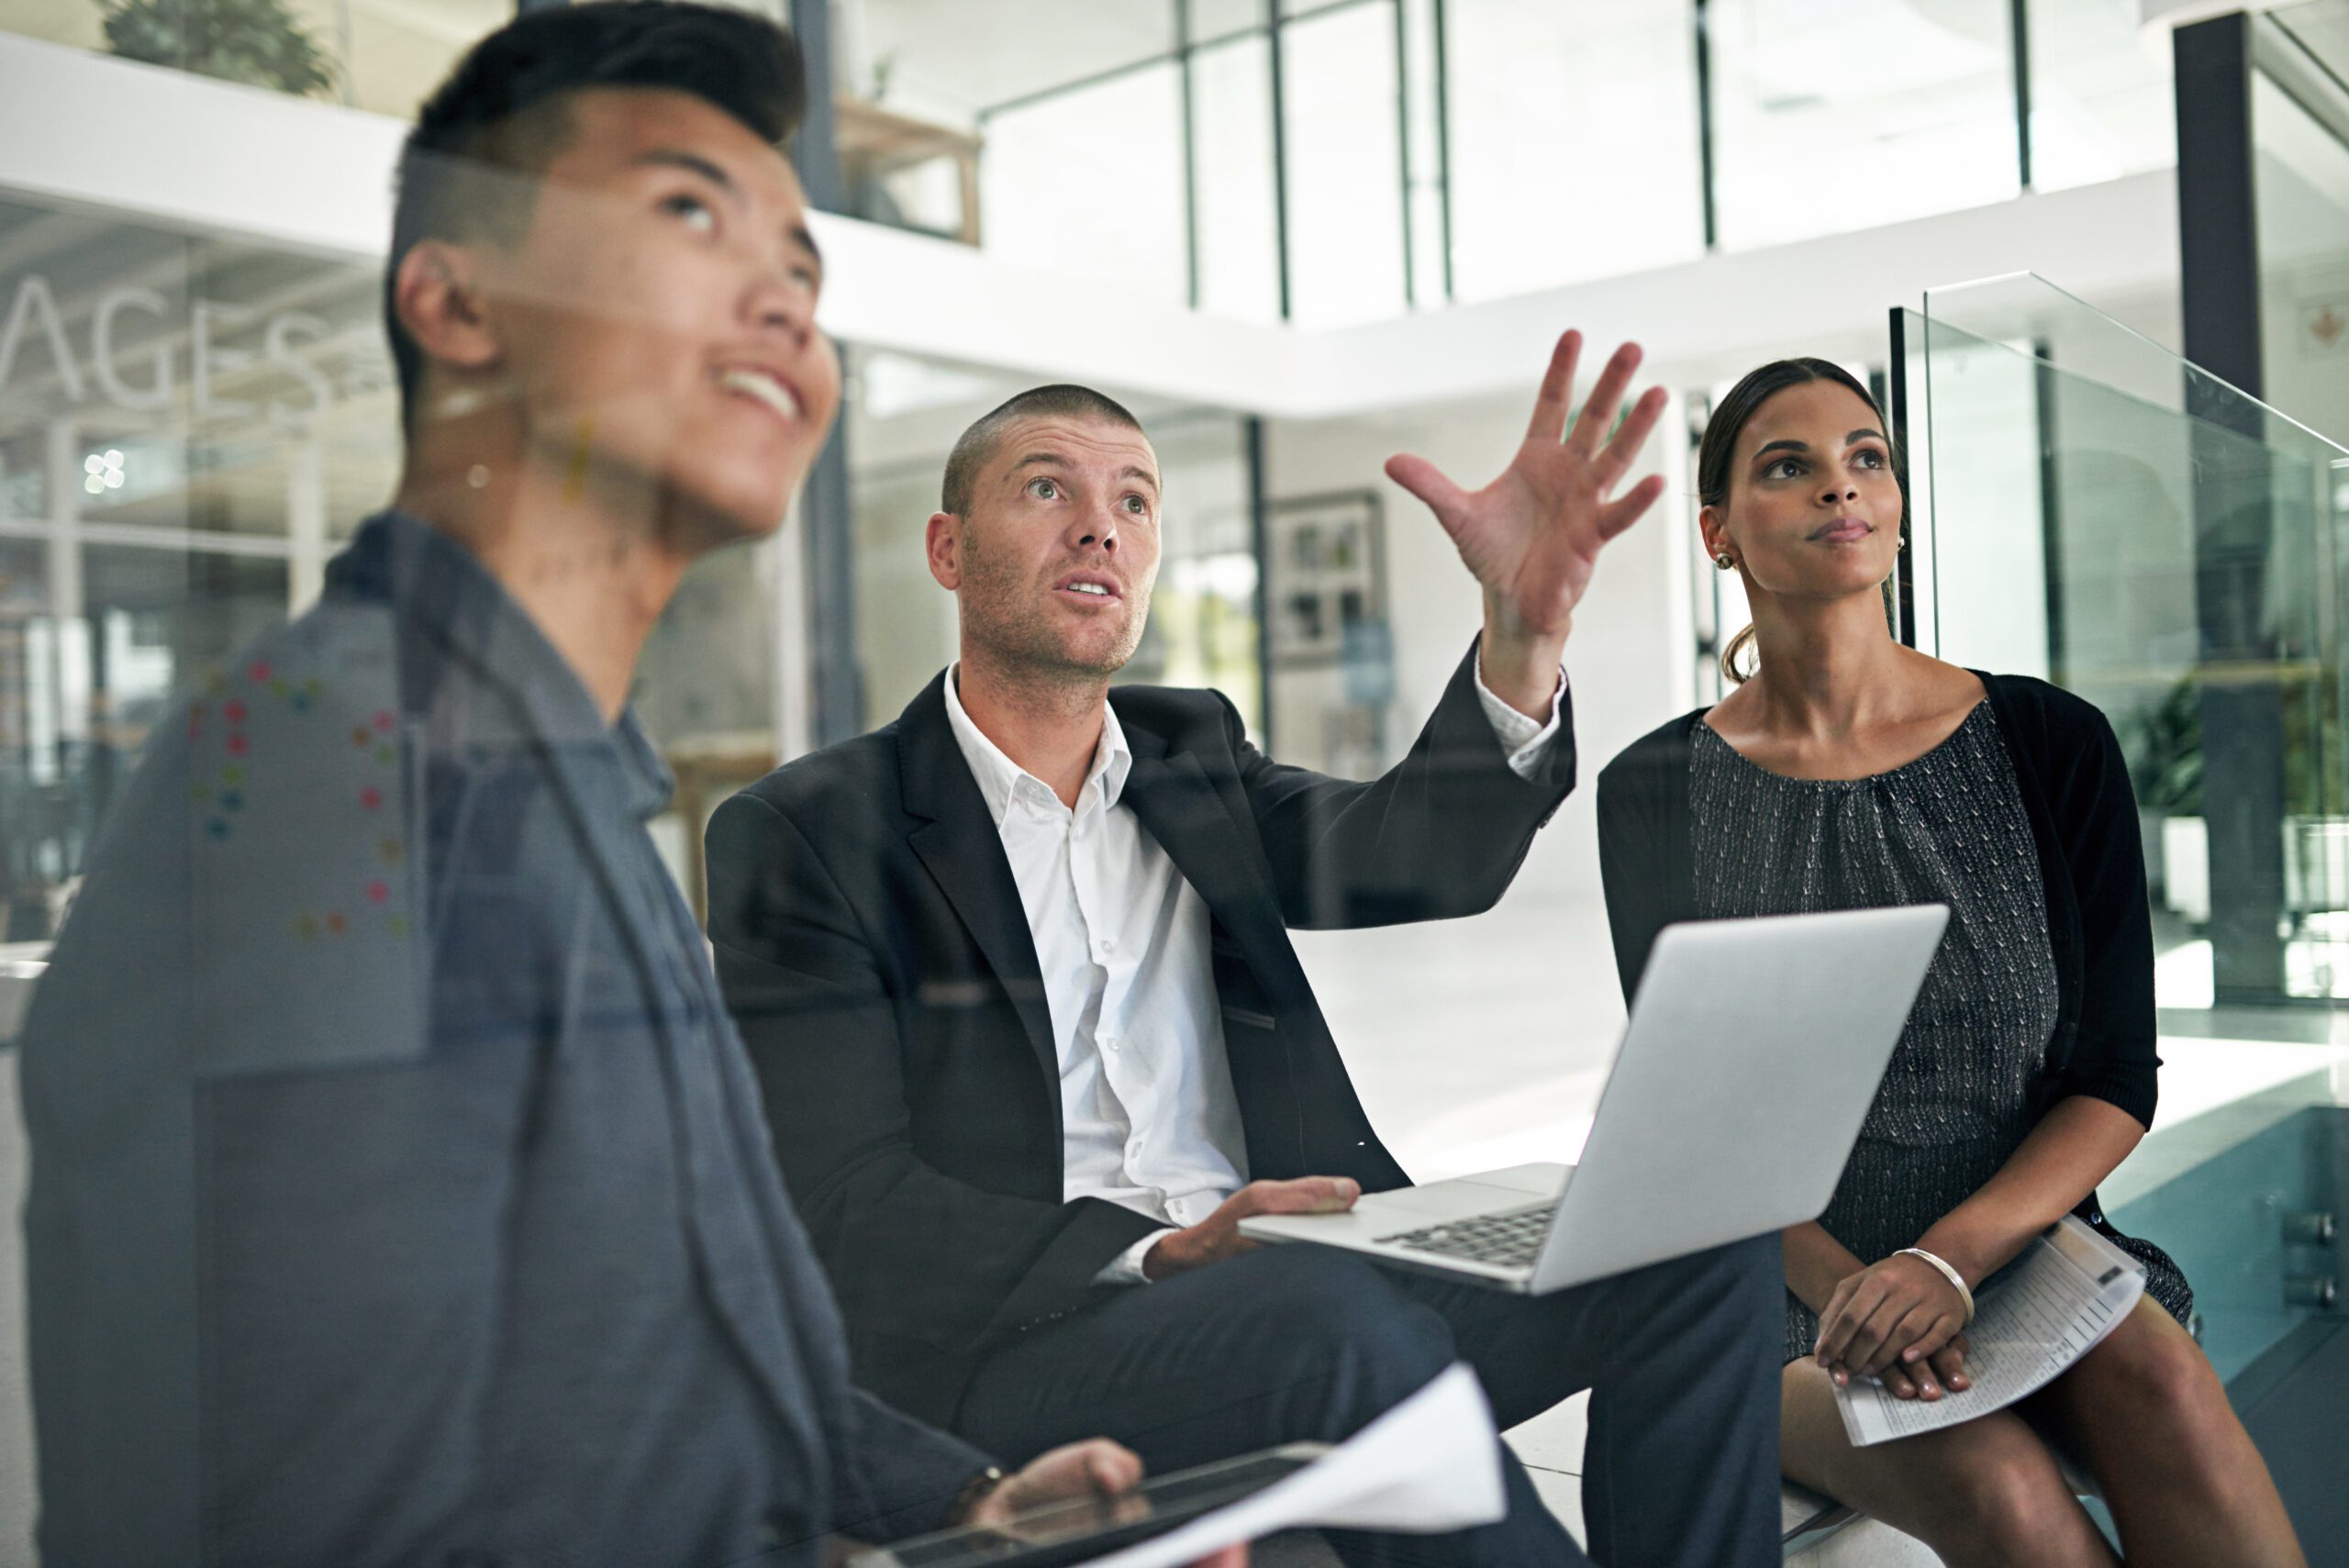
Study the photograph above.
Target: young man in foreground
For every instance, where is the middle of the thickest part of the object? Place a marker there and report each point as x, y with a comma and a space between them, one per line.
399, 1191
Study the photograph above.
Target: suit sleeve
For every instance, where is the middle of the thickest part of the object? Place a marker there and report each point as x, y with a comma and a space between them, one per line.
1439, 835
900, 1477
2113, 1057
920, 1255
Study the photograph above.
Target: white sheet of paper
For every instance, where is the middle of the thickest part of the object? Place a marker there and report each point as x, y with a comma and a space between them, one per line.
1430, 1463
2069, 1290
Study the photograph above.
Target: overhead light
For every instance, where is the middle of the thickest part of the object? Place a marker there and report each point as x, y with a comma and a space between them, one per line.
101, 472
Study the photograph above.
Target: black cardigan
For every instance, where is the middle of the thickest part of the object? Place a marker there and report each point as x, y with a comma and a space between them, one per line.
2083, 817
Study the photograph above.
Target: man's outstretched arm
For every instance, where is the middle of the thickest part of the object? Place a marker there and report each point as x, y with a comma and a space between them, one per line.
1441, 834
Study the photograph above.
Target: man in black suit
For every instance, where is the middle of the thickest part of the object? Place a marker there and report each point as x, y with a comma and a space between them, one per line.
1016, 980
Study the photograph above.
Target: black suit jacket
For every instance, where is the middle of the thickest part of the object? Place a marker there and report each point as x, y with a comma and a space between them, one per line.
873, 947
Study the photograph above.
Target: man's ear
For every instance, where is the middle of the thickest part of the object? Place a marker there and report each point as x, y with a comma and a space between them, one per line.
942, 546
442, 304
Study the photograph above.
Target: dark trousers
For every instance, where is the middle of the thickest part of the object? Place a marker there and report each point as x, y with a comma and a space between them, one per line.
1293, 1343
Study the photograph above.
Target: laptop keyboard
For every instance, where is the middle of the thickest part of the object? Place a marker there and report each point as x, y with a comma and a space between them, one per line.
1511, 1238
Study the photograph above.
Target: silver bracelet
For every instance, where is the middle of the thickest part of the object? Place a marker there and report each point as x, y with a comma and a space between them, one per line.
1948, 1273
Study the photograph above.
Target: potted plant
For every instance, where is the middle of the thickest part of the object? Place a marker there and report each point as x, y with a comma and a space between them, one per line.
258, 42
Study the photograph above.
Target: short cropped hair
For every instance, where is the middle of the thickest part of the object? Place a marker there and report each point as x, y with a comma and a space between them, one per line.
502, 112
976, 445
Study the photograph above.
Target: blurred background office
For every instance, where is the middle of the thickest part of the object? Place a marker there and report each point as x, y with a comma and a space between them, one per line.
1296, 236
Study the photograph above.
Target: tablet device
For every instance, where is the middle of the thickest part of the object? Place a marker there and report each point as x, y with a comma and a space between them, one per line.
1060, 1535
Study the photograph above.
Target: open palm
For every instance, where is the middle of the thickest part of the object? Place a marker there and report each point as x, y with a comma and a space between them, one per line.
1533, 536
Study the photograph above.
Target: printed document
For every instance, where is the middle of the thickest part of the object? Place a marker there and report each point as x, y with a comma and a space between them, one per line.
2040, 1313
1430, 1463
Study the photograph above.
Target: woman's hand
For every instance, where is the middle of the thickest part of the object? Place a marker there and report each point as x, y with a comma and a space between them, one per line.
1896, 1314
1929, 1377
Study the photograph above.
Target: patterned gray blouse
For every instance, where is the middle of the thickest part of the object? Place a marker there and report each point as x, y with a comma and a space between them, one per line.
1948, 827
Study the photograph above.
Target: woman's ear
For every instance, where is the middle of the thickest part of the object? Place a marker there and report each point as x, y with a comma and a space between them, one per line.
1714, 528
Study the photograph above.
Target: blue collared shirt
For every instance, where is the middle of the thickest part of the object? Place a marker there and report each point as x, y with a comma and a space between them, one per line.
400, 1191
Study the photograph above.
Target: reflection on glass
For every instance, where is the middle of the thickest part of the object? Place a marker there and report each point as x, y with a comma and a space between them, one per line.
2101, 101
185, 423
1837, 115
24, 475
1574, 141
41, 820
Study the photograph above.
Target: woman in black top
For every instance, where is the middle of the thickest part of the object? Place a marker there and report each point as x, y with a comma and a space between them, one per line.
1848, 770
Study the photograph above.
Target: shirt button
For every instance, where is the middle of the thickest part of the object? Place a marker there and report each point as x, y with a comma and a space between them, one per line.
1108, 1043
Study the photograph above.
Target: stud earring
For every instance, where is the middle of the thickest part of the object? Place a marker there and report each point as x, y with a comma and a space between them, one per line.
1723, 560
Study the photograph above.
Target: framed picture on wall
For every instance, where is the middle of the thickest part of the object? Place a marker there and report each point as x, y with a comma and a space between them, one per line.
1325, 571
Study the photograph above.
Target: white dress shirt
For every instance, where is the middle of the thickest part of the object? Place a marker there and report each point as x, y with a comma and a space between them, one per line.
1148, 1115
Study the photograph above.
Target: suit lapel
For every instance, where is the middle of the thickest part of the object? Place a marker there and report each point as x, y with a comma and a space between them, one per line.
959, 844
1187, 816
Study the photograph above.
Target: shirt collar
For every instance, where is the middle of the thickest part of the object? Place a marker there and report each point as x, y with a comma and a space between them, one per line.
1000, 778
437, 584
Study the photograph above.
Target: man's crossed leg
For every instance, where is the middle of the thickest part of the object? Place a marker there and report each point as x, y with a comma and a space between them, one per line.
1294, 1343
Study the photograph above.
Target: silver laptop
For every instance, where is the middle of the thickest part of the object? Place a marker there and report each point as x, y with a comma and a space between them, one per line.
1753, 1049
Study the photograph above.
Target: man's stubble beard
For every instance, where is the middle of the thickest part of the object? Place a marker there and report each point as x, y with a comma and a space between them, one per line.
1022, 647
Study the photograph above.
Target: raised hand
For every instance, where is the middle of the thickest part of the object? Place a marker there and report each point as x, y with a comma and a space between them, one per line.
1531, 537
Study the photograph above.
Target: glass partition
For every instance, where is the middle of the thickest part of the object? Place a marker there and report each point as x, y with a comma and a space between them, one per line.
2098, 512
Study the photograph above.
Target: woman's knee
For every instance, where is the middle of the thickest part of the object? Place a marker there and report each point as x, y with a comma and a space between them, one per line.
2157, 1375
2006, 1492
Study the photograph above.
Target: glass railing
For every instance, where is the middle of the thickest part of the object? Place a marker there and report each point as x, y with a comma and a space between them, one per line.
2092, 509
